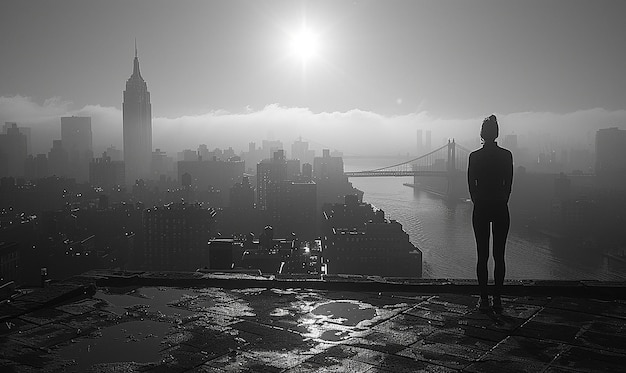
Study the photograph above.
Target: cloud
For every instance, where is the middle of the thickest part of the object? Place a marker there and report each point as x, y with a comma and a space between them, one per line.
106, 126
15, 107
355, 132
361, 132
45, 123
548, 130
42, 118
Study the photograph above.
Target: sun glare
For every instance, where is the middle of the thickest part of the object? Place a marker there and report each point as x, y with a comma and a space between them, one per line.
304, 44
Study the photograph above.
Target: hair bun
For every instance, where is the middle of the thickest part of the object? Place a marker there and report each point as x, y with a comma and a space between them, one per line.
491, 118
489, 129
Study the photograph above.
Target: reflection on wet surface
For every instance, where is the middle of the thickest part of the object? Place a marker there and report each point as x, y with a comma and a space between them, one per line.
152, 298
137, 341
303, 330
149, 319
336, 321
345, 312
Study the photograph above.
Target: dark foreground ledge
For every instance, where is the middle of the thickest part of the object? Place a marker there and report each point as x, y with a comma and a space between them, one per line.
606, 290
134, 321
87, 283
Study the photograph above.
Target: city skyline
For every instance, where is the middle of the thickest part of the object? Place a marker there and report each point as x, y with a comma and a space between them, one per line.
377, 68
412, 146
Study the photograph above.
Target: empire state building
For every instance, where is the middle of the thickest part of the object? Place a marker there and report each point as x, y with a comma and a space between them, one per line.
137, 118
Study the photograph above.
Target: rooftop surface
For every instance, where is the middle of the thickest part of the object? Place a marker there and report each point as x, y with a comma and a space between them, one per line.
106, 321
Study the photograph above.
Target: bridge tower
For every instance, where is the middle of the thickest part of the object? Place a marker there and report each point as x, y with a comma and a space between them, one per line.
451, 156
452, 171
430, 165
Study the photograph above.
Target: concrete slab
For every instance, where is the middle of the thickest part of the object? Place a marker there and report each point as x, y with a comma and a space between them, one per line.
254, 326
590, 360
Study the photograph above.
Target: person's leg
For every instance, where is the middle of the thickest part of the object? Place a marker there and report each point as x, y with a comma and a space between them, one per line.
501, 223
480, 223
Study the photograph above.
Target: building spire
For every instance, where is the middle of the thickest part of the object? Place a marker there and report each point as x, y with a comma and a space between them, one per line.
136, 72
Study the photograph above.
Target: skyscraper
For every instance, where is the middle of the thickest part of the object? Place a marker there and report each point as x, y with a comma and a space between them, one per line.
300, 150
77, 140
12, 152
269, 171
420, 143
23, 130
611, 157
76, 135
58, 159
137, 117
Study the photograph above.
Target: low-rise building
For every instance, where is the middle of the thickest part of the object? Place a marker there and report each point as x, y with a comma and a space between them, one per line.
359, 240
176, 236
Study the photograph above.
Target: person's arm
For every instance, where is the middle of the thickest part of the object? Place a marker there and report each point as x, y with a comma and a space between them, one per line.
508, 178
471, 178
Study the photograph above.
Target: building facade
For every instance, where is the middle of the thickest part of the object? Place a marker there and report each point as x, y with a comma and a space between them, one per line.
359, 240
221, 175
77, 140
9, 262
36, 167
26, 131
300, 150
270, 172
13, 152
58, 160
176, 236
105, 172
611, 157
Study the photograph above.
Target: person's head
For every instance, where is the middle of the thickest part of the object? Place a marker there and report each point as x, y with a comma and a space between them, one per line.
489, 129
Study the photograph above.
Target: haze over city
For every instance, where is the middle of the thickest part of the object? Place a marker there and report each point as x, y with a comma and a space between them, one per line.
307, 186
356, 76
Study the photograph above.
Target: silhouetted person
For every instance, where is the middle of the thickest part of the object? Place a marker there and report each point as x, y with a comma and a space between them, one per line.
490, 175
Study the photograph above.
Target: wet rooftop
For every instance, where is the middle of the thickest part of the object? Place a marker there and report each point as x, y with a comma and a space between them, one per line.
106, 321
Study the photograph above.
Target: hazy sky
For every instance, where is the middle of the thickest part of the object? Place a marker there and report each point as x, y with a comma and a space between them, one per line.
447, 59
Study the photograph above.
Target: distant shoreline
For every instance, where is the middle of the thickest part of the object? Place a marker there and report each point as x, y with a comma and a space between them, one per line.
379, 157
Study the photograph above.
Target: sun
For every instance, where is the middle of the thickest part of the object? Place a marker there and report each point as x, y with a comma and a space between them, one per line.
304, 44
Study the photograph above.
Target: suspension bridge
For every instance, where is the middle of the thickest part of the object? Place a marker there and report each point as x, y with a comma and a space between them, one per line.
448, 161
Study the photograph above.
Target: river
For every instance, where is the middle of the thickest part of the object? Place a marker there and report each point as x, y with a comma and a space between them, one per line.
443, 232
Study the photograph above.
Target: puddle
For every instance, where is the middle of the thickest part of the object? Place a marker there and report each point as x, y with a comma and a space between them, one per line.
334, 335
336, 321
203, 303
249, 291
135, 341
285, 291
280, 312
140, 341
155, 299
345, 312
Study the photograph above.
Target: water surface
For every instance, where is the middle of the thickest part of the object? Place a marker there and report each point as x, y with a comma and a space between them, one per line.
443, 232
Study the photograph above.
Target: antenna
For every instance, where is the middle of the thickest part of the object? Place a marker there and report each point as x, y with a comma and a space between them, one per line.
135, 47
